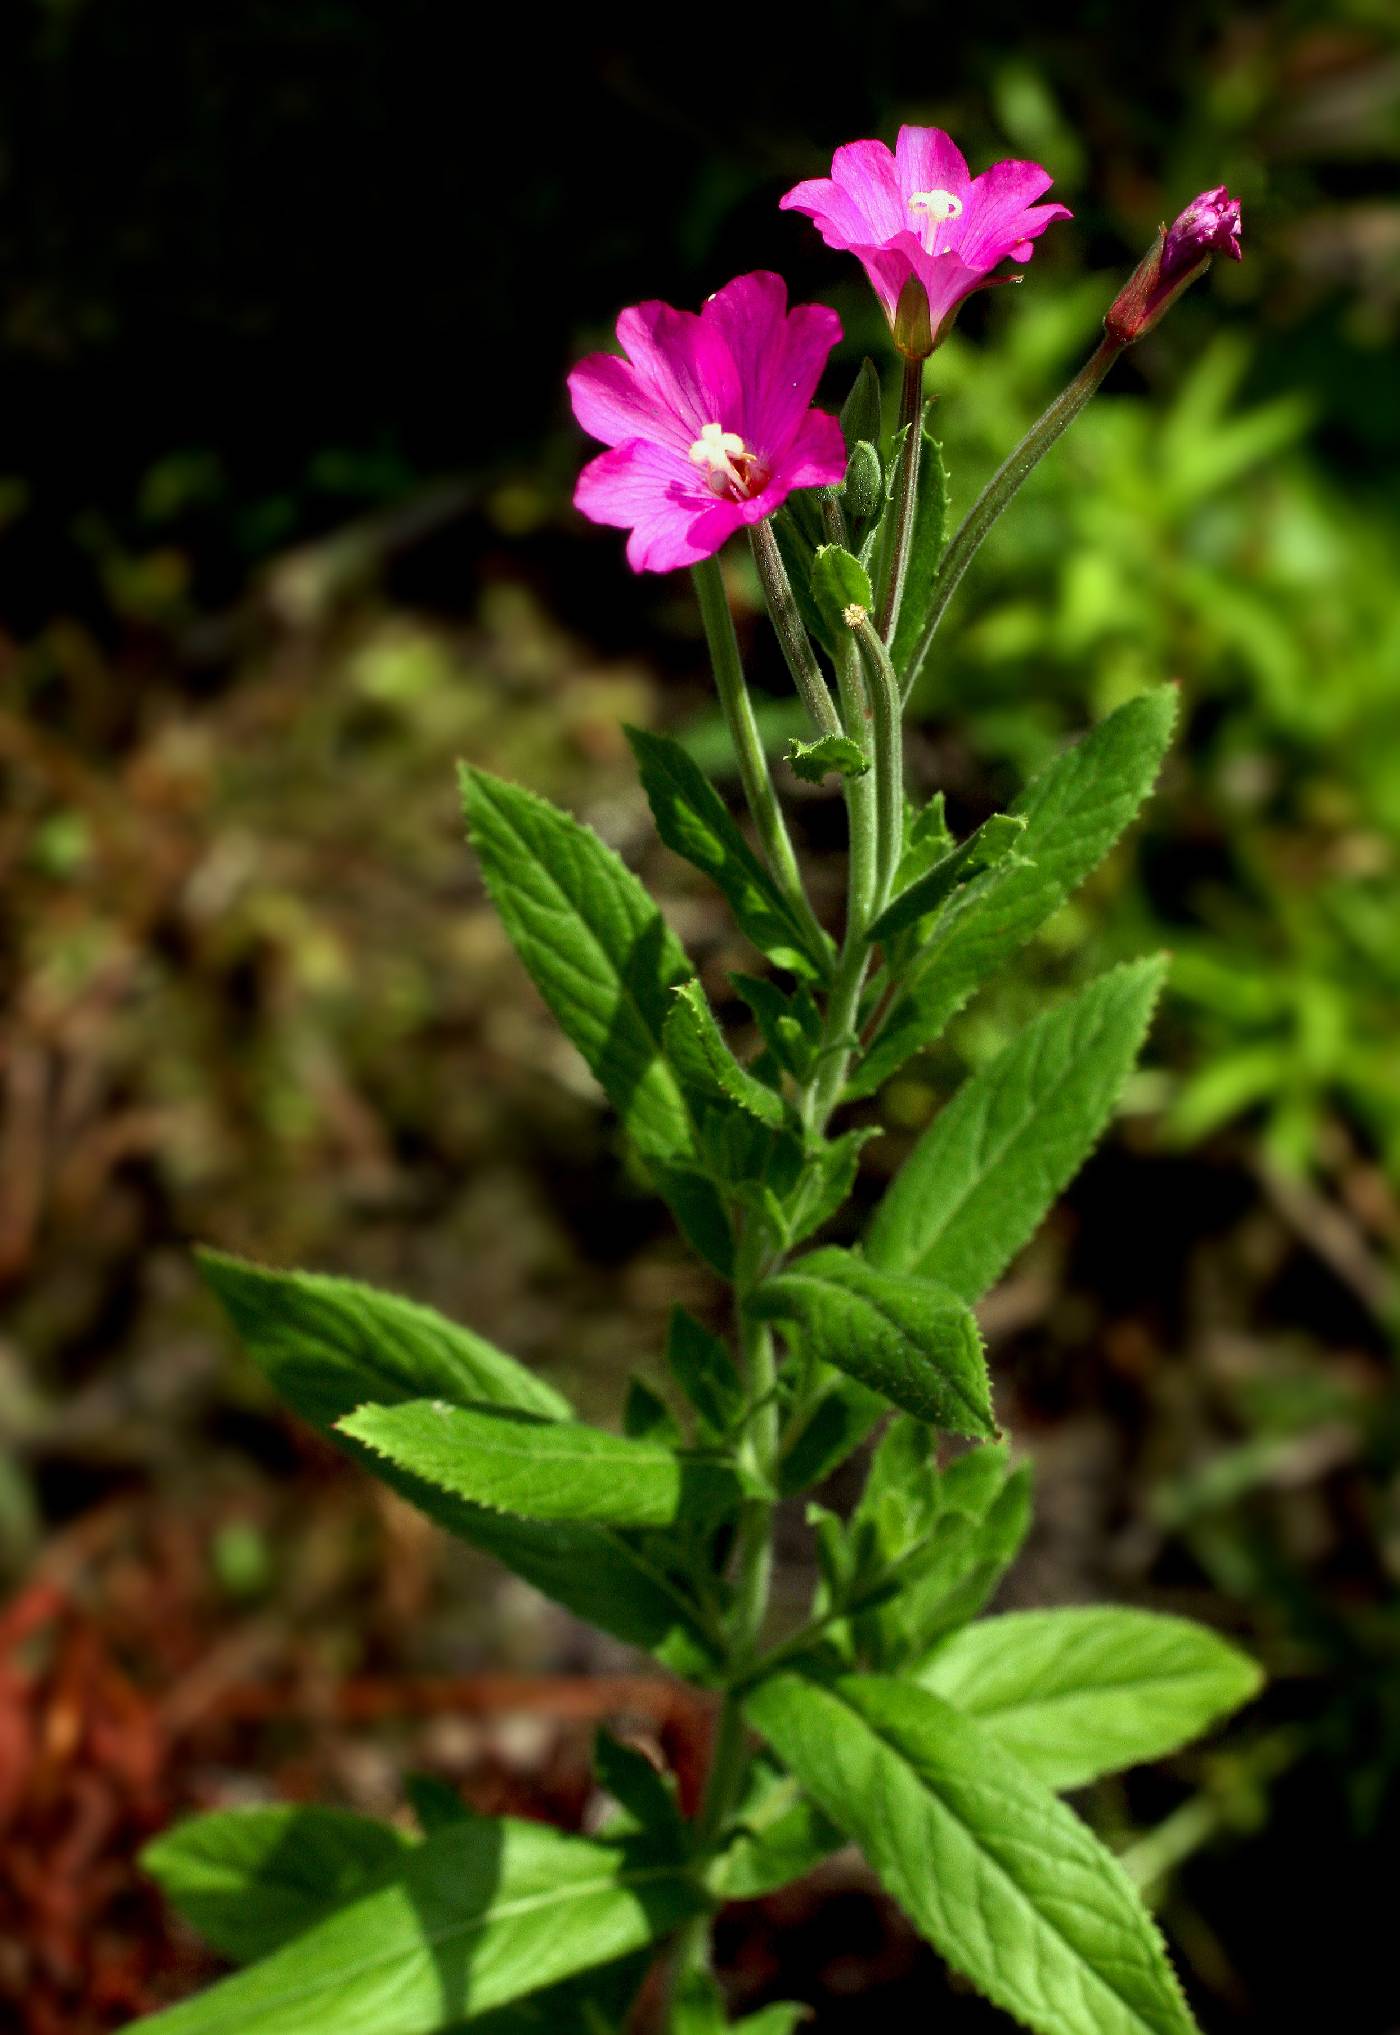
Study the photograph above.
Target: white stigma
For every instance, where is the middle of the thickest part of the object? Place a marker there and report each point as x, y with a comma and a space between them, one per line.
729, 460
937, 205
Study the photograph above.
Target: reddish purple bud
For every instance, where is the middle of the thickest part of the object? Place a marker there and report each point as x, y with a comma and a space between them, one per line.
1209, 225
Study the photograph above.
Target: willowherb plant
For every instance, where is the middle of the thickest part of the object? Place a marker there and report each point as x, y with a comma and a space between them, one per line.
894, 1716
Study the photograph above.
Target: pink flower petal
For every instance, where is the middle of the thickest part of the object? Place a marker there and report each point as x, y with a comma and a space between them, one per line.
929, 160
659, 496
778, 356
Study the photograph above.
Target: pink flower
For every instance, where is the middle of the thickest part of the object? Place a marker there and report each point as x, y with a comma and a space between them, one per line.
919, 214
1182, 251
708, 420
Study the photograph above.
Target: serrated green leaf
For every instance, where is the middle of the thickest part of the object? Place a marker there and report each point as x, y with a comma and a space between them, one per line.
1001, 1877
998, 837
700, 1055
478, 1916
1074, 812
595, 946
557, 1470
1087, 1690
779, 2017
839, 581
327, 1343
908, 1339
991, 1165
925, 548
704, 1369
250, 1879
694, 822
312, 1337
829, 755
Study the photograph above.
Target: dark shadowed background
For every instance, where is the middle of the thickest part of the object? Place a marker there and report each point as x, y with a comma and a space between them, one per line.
286, 299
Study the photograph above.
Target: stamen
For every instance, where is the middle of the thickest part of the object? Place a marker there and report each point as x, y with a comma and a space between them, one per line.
936, 205
732, 466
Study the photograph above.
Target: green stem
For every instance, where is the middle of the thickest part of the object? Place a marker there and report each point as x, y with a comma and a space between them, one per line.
911, 403
788, 626
885, 705
999, 490
748, 745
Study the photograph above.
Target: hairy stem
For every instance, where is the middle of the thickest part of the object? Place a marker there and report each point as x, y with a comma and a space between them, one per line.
791, 634
911, 402
754, 774
1004, 483
885, 704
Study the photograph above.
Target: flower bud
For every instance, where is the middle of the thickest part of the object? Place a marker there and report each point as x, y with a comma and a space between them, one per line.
1209, 225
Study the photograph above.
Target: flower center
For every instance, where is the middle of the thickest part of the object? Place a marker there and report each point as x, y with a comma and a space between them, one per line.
733, 469
935, 209
937, 205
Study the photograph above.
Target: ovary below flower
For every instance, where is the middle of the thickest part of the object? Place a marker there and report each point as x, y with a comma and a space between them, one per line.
920, 213
708, 419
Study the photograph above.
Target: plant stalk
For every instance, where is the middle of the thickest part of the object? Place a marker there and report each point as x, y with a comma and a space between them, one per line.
906, 498
790, 631
1004, 483
754, 775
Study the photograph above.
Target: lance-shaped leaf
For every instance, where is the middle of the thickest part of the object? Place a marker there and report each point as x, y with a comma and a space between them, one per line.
925, 548
780, 1835
595, 946
694, 822
1074, 811
949, 1579
1003, 1879
558, 1469
479, 1915
700, 1054
987, 1171
998, 837
1084, 1691
912, 1341
328, 1345
839, 1414
250, 1879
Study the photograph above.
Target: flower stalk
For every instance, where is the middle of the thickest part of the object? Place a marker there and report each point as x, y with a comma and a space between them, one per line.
1003, 485
796, 645
750, 757
906, 494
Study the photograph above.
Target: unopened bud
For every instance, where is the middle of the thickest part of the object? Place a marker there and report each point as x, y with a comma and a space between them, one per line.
1209, 225
854, 614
